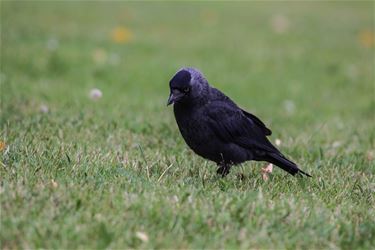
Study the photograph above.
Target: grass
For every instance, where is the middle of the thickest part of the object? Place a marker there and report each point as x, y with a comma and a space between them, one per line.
115, 173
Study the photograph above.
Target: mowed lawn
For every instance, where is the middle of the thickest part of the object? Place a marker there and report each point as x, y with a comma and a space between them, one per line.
115, 172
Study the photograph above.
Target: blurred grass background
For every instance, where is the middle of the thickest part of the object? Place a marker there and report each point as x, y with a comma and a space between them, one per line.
82, 173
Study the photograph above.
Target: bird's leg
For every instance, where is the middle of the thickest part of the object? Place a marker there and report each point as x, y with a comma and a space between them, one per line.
223, 170
266, 170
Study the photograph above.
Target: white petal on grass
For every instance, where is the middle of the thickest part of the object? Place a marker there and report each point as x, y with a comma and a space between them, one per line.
278, 142
190, 199
54, 183
95, 94
336, 144
52, 44
280, 23
43, 108
175, 199
142, 236
99, 217
265, 171
289, 107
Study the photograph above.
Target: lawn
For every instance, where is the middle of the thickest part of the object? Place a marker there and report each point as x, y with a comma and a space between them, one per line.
115, 173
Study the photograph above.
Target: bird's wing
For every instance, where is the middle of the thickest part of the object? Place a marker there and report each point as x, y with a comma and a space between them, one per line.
231, 125
219, 96
258, 122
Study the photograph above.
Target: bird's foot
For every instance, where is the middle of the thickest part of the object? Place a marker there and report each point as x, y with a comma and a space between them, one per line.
223, 171
266, 170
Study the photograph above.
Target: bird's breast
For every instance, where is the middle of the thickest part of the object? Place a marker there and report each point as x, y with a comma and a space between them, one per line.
197, 134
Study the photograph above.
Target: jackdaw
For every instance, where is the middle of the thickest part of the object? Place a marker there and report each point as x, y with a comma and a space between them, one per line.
217, 129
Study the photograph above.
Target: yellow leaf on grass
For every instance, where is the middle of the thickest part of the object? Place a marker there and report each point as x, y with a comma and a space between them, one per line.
2, 145
122, 35
367, 38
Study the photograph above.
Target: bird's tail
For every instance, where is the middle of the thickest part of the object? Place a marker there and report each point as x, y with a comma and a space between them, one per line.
282, 162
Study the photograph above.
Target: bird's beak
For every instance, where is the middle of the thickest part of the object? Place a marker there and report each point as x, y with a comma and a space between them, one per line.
171, 99
174, 97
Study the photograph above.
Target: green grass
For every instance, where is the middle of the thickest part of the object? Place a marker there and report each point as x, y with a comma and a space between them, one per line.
94, 174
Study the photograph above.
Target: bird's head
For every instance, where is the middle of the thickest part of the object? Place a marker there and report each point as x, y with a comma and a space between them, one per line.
188, 84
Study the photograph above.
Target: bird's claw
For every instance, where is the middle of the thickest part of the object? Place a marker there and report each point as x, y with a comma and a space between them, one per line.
223, 171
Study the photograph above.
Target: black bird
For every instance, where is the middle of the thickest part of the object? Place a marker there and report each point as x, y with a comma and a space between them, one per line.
217, 129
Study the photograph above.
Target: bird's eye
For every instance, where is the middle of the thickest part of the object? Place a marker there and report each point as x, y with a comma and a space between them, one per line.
186, 90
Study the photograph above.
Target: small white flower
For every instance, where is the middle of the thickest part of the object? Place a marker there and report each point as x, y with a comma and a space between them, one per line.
289, 106
54, 183
95, 94
336, 144
142, 236
190, 199
99, 217
175, 198
278, 142
280, 23
43, 108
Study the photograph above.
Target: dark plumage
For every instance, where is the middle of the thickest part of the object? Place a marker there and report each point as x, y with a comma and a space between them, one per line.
215, 128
